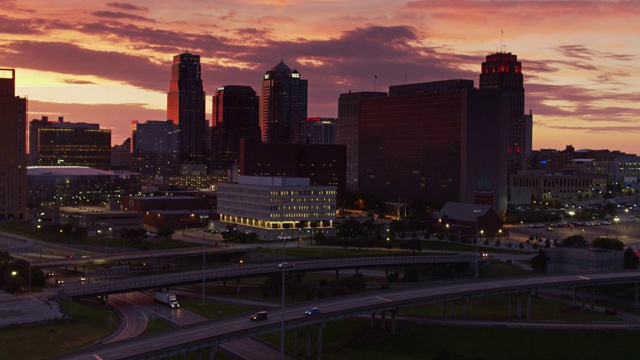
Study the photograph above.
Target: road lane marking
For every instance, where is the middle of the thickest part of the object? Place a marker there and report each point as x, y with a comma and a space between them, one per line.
383, 299
584, 278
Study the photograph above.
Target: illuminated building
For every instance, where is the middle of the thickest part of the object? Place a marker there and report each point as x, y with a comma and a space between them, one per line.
186, 108
433, 141
324, 165
80, 144
502, 73
277, 206
283, 105
13, 162
155, 148
346, 131
318, 130
236, 115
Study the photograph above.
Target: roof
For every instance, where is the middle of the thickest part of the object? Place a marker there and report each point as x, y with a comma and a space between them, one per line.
67, 171
463, 211
281, 67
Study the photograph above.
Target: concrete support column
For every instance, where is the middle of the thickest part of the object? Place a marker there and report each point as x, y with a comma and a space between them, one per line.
509, 305
453, 309
393, 321
584, 298
575, 296
444, 309
297, 340
383, 320
464, 308
320, 329
529, 306
238, 286
308, 350
212, 351
185, 356
198, 354
519, 306
105, 299
373, 320
592, 296
337, 274
636, 302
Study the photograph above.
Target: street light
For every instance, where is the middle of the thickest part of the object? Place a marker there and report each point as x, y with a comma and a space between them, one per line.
204, 219
627, 211
571, 213
616, 219
284, 239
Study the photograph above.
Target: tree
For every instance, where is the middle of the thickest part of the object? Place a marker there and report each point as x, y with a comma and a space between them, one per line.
608, 243
547, 243
576, 241
165, 233
630, 259
539, 262
319, 238
350, 229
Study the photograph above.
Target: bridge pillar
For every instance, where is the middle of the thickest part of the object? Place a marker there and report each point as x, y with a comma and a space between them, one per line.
373, 320
464, 308
308, 335
575, 296
320, 328
584, 298
592, 296
337, 274
444, 309
453, 309
238, 286
509, 305
297, 340
198, 355
383, 322
393, 321
636, 302
212, 351
519, 300
105, 300
529, 306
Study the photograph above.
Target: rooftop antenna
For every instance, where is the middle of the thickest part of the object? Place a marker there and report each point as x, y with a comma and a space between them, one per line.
501, 33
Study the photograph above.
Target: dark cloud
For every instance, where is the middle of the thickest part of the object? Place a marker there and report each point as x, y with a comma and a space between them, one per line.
71, 59
582, 52
79, 82
126, 6
120, 15
19, 27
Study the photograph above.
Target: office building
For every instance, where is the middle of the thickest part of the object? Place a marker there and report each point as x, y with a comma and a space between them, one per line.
155, 148
319, 131
121, 156
283, 105
236, 115
13, 162
346, 130
74, 144
274, 207
433, 141
186, 108
502, 73
324, 165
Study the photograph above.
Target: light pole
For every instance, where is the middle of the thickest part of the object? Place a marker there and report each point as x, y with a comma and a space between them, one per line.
204, 220
627, 211
284, 241
477, 212
616, 219
571, 213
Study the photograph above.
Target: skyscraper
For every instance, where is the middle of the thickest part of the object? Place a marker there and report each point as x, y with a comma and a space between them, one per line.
186, 108
502, 72
155, 148
236, 115
283, 107
347, 127
13, 162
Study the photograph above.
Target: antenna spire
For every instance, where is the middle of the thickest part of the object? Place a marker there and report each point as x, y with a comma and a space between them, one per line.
501, 33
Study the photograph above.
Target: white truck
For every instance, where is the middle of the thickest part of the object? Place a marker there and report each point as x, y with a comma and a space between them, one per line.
166, 298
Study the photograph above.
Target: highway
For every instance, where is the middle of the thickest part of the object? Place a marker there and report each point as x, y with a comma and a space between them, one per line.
215, 332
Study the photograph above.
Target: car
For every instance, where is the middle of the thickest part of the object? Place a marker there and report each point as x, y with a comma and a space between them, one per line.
60, 281
50, 274
82, 278
260, 315
313, 311
285, 265
610, 311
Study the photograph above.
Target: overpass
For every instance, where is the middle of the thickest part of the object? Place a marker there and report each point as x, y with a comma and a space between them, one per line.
210, 334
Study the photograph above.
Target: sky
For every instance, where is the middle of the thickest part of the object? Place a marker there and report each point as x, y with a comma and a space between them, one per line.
110, 62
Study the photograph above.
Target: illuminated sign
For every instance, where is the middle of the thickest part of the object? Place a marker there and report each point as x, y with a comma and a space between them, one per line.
314, 119
295, 75
266, 76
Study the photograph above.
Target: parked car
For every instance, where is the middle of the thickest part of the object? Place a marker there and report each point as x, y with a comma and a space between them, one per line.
285, 265
260, 315
60, 281
313, 311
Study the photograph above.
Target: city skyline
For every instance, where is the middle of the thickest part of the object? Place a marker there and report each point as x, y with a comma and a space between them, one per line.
110, 62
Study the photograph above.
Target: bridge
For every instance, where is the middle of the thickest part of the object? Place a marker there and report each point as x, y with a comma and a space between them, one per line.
209, 335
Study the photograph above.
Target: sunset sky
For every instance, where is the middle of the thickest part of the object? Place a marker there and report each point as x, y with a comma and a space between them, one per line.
110, 62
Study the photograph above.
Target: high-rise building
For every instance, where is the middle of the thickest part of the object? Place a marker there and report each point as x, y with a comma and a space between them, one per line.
121, 156
502, 72
346, 131
283, 107
155, 148
186, 108
433, 141
236, 115
317, 130
13, 162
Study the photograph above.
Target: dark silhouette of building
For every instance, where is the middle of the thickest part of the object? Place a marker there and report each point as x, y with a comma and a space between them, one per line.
236, 115
283, 105
346, 130
121, 156
13, 162
186, 108
324, 165
155, 148
433, 141
502, 73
